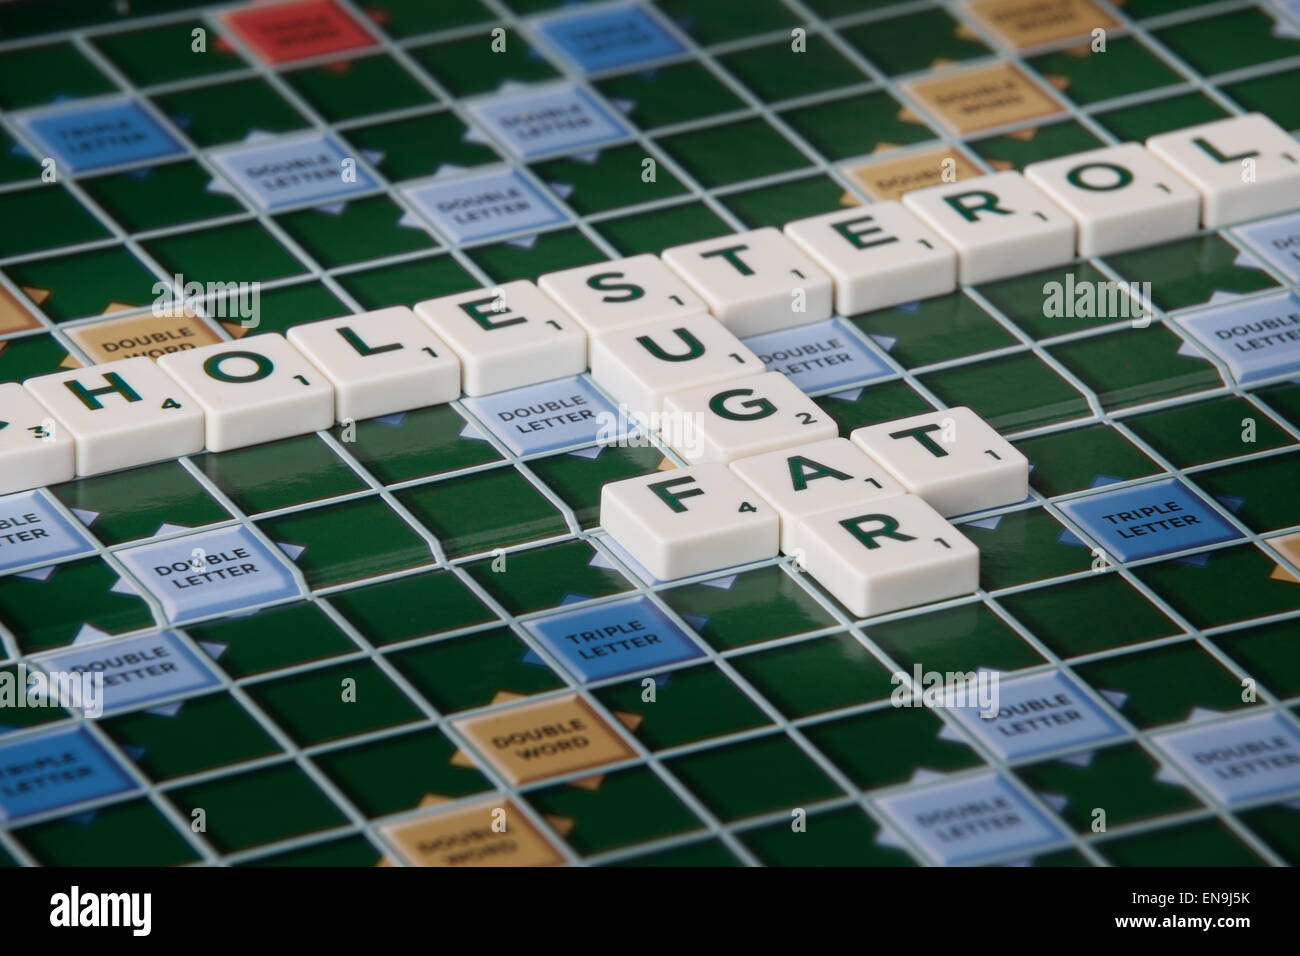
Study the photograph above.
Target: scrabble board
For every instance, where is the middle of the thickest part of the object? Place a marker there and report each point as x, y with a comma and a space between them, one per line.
407, 639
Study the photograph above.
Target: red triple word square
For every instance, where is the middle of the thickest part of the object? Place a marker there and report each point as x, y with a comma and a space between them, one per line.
286, 32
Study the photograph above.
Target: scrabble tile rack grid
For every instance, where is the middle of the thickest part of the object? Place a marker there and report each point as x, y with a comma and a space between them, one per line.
731, 836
